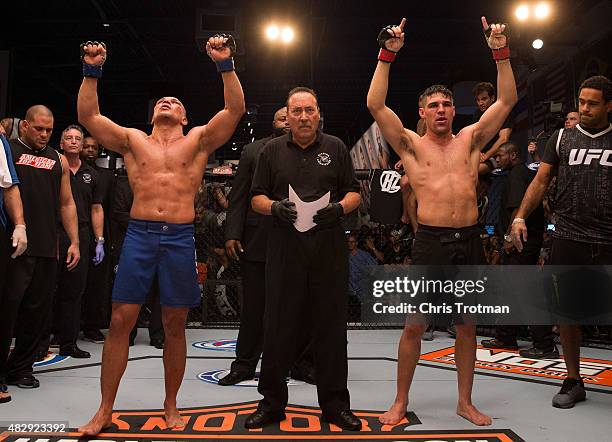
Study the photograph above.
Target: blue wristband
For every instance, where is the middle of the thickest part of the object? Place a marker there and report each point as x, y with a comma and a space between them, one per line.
90, 70
226, 65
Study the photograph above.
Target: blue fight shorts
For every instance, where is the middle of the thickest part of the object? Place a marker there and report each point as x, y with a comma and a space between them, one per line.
157, 248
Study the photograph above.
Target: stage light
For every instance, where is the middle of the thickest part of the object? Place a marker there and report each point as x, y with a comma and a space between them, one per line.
272, 32
542, 10
537, 44
522, 12
287, 34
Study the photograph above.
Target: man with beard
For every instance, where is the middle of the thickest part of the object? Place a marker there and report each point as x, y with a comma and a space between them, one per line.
580, 157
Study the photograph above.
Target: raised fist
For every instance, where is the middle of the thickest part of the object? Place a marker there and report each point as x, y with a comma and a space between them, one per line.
220, 47
395, 39
494, 34
93, 53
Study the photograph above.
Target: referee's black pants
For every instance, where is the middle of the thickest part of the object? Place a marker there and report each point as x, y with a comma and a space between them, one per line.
250, 335
98, 289
306, 281
70, 289
26, 301
543, 336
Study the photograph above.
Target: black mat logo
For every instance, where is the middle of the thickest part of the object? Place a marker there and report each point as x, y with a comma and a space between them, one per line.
226, 423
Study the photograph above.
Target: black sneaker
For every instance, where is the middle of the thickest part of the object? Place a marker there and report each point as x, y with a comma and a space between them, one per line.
94, 336
74, 352
538, 353
571, 392
25, 381
496, 343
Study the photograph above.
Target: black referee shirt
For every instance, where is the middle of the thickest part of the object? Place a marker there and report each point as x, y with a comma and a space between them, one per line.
86, 191
519, 179
323, 166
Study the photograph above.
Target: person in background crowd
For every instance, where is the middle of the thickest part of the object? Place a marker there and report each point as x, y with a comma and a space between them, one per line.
96, 300
572, 118
519, 178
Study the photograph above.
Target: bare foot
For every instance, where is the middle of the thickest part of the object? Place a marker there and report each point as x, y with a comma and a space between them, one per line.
470, 413
395, 414
99, 422
173, 418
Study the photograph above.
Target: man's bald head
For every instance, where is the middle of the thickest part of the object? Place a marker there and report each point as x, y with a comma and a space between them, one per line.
36, 110
37, 126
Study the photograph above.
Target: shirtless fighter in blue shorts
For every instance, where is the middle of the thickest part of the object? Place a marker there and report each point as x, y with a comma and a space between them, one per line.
165, 169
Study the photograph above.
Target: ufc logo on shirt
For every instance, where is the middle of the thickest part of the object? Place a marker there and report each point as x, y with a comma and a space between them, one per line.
585, 156
389, 181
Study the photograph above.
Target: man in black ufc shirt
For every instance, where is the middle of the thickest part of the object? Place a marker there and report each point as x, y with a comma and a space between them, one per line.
581, 157
87, 195
45, 191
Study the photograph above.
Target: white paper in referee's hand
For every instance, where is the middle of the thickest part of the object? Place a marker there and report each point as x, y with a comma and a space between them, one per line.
305, 211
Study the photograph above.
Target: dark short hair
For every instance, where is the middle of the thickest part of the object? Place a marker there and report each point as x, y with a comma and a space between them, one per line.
532, 140
435, 89
75, 127
601, 83
484, 86
511, 147
573, 109
299, 89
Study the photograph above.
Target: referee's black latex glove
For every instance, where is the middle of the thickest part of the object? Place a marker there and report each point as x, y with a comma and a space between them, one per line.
284, 210
329, 214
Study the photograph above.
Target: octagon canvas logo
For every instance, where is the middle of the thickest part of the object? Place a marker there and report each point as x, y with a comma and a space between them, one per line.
594, 371
217, 345
226, 422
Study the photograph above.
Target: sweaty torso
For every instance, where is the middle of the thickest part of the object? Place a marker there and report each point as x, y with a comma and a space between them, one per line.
443, 178
164, 177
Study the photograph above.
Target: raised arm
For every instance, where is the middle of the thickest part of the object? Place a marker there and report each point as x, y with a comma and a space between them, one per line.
103, 129
68, 214
493, 118
390, 125
221, 127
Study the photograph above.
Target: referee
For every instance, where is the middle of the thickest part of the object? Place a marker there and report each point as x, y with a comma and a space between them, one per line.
581, 157
307, 272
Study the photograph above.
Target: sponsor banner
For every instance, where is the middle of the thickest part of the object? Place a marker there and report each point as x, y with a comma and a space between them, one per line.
226, 422
487, 295
213, 376
217, 345
594, 371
